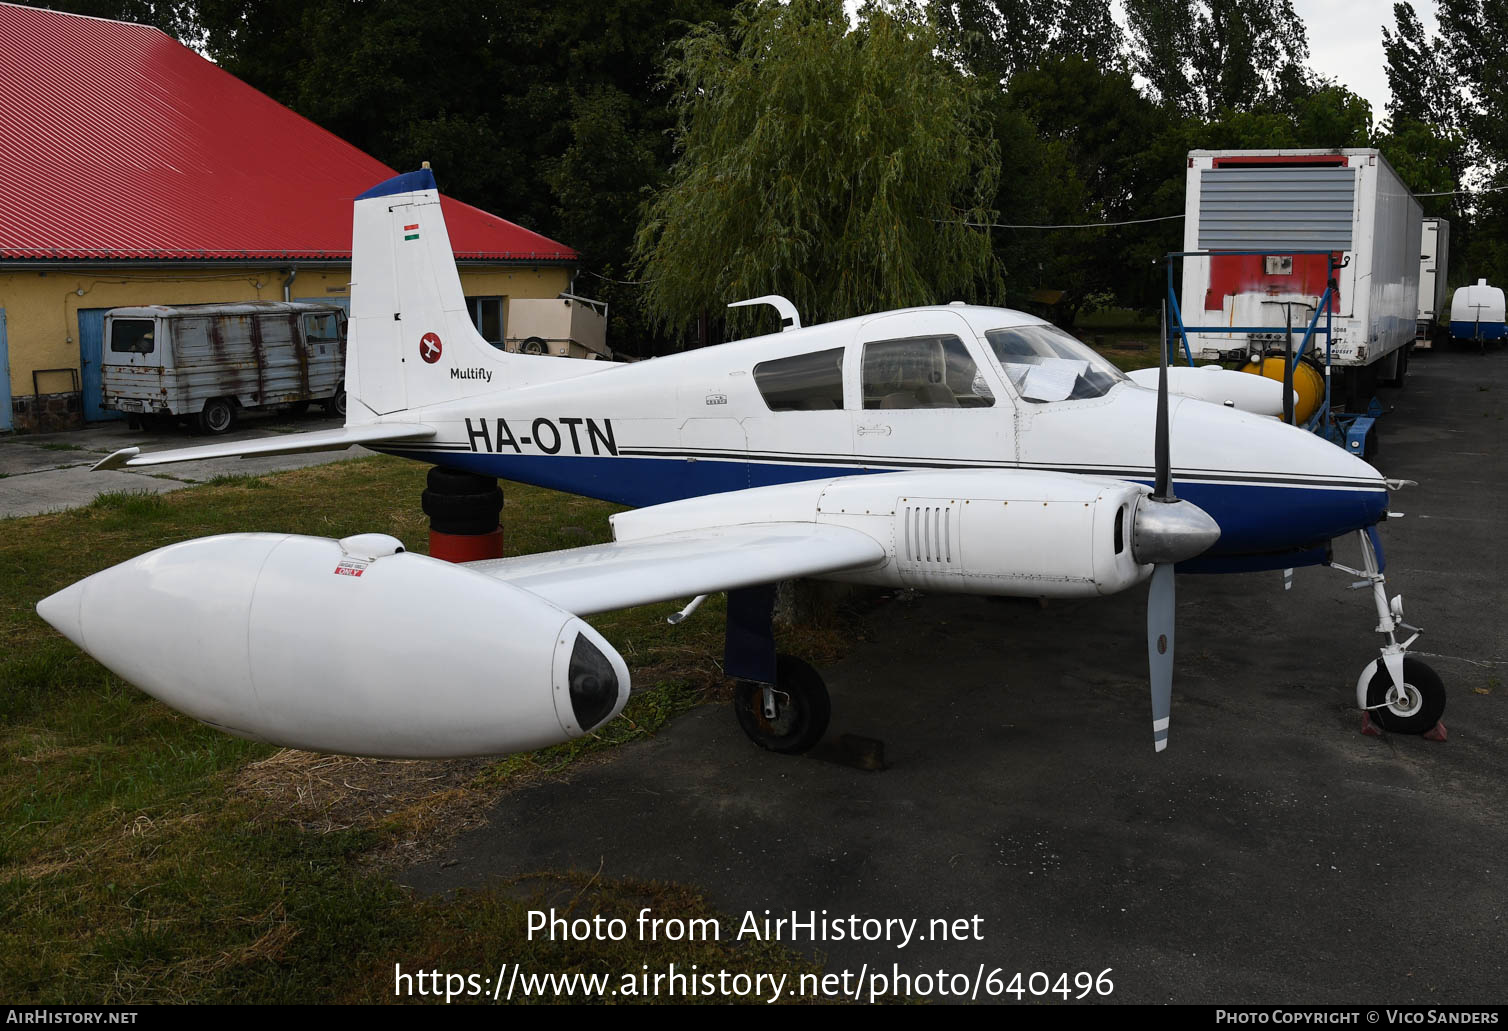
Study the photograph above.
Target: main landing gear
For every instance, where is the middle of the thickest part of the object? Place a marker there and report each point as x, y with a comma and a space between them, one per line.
1396, 691
781, 702
790, 715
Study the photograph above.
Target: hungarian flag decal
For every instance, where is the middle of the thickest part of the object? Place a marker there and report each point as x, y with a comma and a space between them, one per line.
411, 232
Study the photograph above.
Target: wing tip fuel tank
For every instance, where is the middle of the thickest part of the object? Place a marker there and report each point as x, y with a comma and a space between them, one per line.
293, 640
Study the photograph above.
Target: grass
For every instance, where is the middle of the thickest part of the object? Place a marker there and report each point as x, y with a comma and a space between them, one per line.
145, 857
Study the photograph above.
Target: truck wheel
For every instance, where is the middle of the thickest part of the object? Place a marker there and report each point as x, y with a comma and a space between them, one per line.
218, 417
534, 345
335, 404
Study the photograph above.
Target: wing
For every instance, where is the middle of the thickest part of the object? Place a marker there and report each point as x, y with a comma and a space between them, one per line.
290, 444
603, 577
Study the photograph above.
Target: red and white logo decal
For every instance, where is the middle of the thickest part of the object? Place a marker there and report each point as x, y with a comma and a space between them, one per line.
350, 567
429, 348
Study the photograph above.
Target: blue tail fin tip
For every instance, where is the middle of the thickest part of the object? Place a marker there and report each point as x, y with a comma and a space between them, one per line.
408, 182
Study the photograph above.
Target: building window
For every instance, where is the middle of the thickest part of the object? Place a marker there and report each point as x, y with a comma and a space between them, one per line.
487, 315
923, 372
803, 382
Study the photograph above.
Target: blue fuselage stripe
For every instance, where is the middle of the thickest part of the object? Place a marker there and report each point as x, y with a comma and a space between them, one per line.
1256, 519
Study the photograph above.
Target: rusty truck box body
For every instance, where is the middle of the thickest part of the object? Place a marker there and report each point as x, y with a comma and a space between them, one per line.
172, 360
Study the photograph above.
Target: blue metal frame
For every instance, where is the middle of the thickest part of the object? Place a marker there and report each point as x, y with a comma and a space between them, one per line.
1344, 429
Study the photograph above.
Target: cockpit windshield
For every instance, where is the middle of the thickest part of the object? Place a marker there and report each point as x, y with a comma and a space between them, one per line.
1047, 364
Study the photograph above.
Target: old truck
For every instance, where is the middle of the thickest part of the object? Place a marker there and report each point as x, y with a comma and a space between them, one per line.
209, 362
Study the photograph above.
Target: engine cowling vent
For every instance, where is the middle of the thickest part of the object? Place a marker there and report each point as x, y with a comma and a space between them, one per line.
929, 537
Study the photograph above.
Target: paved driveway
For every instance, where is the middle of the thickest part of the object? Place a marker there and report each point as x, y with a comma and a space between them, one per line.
46, 472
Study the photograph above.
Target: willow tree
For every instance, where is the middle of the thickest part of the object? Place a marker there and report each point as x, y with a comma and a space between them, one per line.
838, 165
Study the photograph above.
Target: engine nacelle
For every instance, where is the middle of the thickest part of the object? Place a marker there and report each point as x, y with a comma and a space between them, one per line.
347, 646
1037, 534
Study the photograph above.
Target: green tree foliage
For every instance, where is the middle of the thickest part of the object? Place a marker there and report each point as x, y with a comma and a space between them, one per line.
1203, 57
995, 39
1475, 38
834, 166
1421, 78
1107, 154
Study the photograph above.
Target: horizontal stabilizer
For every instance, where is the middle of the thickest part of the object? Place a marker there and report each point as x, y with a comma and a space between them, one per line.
289, 444
604, 577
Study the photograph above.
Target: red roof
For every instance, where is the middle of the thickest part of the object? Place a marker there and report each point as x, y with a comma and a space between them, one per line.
118, 142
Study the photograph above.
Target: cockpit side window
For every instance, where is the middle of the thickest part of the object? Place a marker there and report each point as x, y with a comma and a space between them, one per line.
803, 382
923, 372
1046, 364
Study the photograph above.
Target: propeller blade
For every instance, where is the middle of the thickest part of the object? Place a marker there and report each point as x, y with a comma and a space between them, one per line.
1163, 487
1160, 650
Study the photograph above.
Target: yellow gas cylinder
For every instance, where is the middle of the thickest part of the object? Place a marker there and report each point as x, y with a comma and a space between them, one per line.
1308, 383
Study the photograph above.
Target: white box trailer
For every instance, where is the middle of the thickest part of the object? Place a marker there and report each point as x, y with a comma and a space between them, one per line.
566, 326
1434, 292
207, 362
1477, 314
1278, 204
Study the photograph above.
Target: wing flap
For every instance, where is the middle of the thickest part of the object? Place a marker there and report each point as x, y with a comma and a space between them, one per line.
604, 577
290, 444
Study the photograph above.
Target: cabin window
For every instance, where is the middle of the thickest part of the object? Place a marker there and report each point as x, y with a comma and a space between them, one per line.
803, 382
487, 315
322, 329
923, 372
1046, 364
132, 336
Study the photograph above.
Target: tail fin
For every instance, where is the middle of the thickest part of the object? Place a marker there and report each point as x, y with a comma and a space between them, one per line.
411, 339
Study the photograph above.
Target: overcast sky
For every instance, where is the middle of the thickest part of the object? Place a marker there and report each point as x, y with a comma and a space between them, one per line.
1345, 42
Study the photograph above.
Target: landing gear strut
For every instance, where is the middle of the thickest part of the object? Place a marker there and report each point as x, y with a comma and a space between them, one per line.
1397, 691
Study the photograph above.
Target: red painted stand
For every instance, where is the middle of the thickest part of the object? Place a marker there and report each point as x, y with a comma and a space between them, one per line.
466, 547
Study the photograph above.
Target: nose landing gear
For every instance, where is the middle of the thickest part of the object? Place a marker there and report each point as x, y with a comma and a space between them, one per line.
1395, 691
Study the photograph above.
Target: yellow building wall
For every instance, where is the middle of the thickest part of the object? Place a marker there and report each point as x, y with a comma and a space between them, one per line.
41, 307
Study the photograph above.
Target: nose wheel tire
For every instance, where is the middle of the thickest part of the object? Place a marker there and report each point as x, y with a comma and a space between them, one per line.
1413, 710
802, 708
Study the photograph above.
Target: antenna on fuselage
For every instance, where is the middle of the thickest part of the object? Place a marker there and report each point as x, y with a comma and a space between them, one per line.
789, 319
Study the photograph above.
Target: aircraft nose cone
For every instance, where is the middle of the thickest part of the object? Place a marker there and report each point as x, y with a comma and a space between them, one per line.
1171, 531
62, 610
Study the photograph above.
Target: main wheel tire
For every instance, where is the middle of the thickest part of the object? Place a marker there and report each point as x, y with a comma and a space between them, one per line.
1420, 706
803, 704
218, 416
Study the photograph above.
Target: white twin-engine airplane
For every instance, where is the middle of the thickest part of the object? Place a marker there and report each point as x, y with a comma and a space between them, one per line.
999, 456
